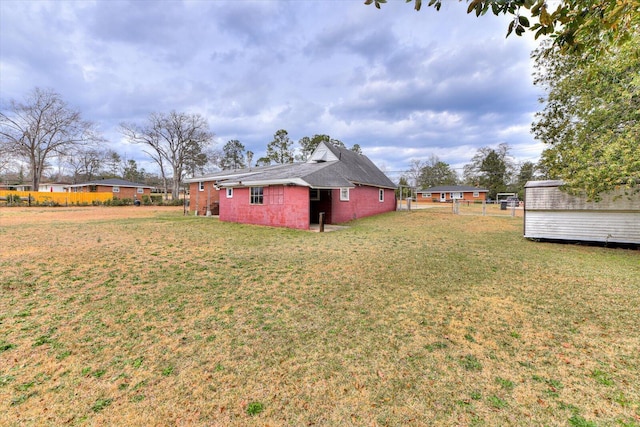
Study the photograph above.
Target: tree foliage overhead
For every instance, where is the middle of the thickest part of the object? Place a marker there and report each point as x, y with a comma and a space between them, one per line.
175, 140
588, 26
41, 128
591, 118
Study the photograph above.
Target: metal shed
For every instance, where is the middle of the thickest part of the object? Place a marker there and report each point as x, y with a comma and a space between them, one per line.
552, 214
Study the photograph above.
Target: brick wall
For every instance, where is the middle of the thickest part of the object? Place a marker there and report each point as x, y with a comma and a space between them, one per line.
283, 206
125, 192
363, 201
204, 200
466, 196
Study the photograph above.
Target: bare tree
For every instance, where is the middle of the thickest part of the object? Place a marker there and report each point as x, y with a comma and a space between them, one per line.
174, 141
5, 160
41, 128
415, 169
85, 164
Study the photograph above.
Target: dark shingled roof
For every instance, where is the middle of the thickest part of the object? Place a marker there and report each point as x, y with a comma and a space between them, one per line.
346, 170
112, 182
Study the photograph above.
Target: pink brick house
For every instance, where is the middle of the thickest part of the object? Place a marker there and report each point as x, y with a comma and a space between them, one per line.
342, 184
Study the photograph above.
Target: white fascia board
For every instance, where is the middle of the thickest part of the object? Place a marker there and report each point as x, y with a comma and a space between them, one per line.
219, 177
364, 184
332, 188
264, 183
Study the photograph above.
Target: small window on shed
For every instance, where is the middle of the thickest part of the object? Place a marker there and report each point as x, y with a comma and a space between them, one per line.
116, 189
140, 190
201, 186
229, 193
344, 194
381, 195
476, 194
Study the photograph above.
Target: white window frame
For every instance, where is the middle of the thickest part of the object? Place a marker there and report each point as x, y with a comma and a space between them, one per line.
201, 186
381, 195
344, 194
255, 197
314, 194
116, 189
426, 195
140, 190
229, 193
476, 194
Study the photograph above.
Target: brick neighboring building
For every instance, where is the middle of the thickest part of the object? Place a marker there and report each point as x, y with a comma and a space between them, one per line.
121, 188
338, 182
448, 193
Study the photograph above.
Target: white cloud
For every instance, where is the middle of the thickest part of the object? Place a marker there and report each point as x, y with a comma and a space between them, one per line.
401, 84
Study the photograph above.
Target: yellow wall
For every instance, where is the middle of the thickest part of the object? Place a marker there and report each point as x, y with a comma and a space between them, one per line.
59, 198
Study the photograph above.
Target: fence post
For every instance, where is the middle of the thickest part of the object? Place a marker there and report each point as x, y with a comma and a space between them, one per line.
484, 208
321, 222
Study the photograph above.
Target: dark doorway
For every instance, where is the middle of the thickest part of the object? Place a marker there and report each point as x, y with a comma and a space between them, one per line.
319, 201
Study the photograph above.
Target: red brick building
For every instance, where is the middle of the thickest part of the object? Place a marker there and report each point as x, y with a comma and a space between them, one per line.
448, 193
340, 183
121, 189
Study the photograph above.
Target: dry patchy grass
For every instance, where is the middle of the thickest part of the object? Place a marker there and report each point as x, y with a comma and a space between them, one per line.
410, 318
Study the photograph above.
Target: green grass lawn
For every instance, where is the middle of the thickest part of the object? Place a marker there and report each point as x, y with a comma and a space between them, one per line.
409, 318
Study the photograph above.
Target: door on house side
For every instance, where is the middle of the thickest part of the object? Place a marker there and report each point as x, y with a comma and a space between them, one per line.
443, 197
320, 201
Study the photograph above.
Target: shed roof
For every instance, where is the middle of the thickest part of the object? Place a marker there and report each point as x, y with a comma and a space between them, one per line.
544, 183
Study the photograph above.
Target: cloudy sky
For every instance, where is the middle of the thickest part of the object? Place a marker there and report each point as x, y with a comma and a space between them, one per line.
402, 84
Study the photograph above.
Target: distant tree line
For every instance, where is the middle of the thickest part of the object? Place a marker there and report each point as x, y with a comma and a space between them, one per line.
280, 150
42, 137
490, 168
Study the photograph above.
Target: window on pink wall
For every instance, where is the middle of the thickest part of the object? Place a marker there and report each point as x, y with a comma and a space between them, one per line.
256, 195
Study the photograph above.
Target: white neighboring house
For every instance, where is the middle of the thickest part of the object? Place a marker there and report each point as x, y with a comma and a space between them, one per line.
53, 187
551, 214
